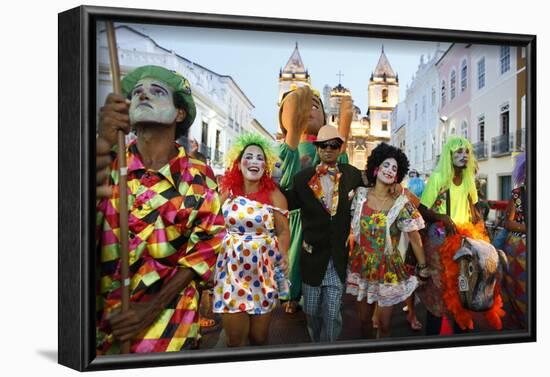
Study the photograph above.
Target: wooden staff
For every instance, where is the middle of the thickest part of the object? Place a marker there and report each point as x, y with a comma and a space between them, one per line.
122, 184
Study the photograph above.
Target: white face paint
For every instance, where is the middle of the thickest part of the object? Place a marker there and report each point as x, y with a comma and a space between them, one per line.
152, 101
387, 171
460, 157
253, 163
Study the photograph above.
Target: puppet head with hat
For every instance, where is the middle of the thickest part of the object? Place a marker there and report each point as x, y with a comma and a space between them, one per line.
317, 116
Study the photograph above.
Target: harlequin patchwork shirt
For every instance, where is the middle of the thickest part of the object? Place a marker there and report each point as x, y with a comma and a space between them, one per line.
174, 222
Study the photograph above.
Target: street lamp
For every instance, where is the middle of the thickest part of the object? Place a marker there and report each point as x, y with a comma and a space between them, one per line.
443, 118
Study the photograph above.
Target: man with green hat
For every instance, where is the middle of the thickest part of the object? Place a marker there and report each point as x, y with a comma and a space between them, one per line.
175, 228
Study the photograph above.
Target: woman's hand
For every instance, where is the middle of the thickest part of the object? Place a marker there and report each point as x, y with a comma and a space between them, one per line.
283, 263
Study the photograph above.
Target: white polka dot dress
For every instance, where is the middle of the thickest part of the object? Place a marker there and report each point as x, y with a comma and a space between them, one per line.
244, 269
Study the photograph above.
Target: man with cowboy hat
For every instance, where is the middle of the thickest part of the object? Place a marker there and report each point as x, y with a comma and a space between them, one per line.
324, 193
175, 228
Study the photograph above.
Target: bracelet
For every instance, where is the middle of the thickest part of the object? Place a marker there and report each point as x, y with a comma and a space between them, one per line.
418, 271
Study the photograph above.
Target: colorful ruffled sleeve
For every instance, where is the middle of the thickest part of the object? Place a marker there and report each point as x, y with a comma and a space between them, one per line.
409, 219
205, 224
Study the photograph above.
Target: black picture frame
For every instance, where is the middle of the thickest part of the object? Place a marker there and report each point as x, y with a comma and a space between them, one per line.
76, 321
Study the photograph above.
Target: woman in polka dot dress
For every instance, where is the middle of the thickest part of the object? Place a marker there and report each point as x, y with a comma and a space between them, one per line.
257, 240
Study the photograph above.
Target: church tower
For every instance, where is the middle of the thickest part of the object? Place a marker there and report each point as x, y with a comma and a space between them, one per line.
294, 72
369, 131
383, 97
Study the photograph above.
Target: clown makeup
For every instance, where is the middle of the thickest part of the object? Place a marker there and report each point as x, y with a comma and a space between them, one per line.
460, 157
152, 102
387, 171
253, 163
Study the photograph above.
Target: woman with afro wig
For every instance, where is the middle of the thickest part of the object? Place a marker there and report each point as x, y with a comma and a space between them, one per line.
255, 245
382, 226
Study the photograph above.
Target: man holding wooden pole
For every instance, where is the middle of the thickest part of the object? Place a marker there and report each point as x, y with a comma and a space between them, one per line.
174, 224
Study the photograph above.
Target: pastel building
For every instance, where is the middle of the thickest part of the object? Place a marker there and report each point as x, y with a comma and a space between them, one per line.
454, 69
496, 108
422, 114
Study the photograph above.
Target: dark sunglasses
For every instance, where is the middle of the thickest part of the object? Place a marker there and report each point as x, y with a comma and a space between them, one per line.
332, 145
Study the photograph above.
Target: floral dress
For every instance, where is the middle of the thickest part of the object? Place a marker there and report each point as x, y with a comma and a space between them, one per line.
244, 270
515, 293
376, 267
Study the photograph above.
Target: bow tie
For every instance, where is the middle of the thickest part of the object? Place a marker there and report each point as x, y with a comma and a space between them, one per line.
323, 169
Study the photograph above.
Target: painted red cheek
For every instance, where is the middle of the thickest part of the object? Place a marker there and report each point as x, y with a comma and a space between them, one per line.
245, 163
262, 164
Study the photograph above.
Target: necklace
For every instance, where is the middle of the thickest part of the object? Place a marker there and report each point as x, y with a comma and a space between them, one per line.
383, 201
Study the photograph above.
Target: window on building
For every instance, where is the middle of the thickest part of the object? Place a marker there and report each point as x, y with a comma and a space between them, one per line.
433, 96
415, 111
217, 145
505, 119
443, 94
231, 121
504, 59
504, 187
481, 73
481, 128
409, 117
453, 84
464, 129
204, 133
453, 131
384, 95
384, 125
463, 76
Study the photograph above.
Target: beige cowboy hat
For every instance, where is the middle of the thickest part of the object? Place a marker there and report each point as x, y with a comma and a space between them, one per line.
328, 133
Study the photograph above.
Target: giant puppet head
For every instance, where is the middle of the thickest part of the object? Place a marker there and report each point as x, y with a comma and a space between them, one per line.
317, 116
155, 94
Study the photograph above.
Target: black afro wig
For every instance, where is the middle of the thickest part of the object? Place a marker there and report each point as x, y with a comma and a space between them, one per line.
382, 152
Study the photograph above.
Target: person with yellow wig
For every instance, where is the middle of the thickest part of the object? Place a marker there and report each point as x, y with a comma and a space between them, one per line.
448, 203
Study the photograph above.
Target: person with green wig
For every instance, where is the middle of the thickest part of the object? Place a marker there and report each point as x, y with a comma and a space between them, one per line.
175, 228
301, 116
449, 198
